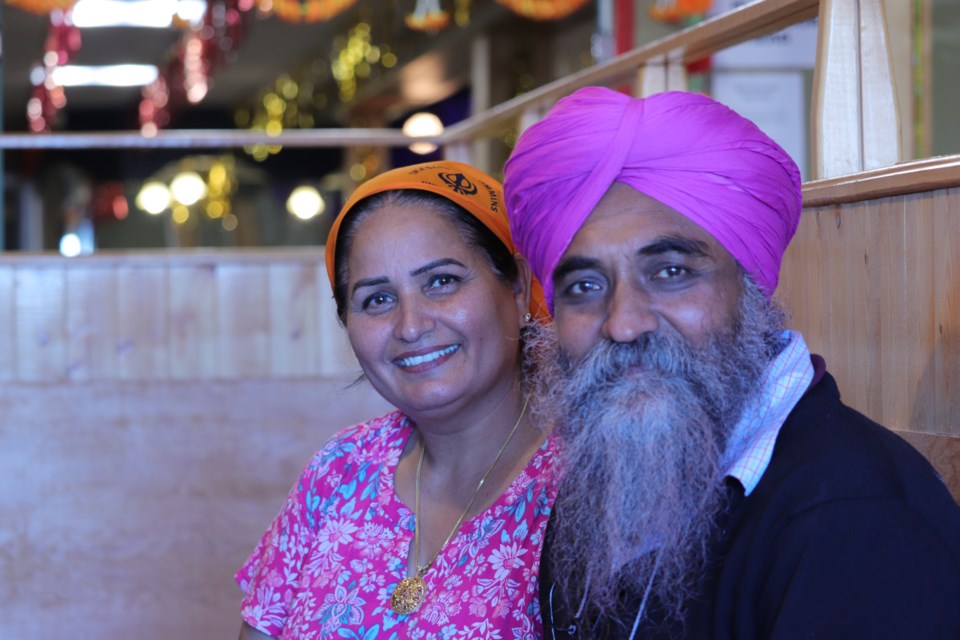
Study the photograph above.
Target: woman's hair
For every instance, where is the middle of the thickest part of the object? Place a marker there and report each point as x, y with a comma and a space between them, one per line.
473, 233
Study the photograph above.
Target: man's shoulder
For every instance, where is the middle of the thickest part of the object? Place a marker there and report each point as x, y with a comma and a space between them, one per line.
829, 453
824, 436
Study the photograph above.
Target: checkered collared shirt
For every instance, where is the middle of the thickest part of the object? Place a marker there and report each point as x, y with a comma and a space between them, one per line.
751, 443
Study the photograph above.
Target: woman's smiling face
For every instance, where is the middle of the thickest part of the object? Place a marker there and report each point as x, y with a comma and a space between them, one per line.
433, 327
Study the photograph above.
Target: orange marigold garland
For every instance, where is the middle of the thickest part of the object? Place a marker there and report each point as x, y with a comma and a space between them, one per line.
679, 10
41, 6
427, 16
543, 9
306, 10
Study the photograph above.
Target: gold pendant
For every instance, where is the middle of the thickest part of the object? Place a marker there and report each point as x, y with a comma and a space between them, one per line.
409, 595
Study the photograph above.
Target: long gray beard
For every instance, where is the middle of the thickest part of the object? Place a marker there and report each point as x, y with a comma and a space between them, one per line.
645, 426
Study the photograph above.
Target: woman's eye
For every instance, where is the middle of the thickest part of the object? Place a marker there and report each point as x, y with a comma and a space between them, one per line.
441, 280
376, 302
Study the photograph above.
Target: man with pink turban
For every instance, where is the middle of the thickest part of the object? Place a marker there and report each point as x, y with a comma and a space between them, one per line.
714, 484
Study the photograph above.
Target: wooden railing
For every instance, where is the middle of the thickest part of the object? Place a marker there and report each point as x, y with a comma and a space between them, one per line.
854, 111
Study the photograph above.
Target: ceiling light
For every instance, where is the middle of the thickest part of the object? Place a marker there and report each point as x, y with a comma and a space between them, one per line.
115, 75
157, 14
154, 197
305, 203
188, 188
37, 75
423, 125
70, 245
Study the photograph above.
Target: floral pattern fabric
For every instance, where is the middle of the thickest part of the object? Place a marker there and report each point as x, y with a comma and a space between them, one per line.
328, 563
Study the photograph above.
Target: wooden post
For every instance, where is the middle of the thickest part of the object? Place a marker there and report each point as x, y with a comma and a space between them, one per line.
855, 117
676, 71
652, 77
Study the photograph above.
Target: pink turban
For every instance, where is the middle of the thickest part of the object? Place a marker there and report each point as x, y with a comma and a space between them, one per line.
685, 150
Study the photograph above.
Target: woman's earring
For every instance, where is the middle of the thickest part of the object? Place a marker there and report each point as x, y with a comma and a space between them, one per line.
527, 316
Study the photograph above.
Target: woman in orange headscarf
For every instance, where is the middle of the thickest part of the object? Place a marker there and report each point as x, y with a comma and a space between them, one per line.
428, 521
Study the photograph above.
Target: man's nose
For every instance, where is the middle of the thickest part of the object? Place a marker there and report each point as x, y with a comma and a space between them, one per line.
630, 314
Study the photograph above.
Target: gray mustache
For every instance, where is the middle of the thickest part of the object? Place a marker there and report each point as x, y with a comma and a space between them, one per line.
611, 361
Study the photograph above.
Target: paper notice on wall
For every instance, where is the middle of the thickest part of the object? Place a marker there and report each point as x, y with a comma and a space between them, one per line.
772, 100
792, 48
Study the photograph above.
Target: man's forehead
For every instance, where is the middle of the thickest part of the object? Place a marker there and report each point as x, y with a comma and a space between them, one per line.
627, 220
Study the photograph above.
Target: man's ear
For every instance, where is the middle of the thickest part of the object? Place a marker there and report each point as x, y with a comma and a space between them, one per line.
521, 286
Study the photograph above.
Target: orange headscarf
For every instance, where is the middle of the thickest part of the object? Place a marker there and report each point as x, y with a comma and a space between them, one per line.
472, 189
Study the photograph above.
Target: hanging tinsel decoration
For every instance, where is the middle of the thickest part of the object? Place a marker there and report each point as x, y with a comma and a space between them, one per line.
201, 51
41, 6
48, 97
461, 14
543, 9
305, 10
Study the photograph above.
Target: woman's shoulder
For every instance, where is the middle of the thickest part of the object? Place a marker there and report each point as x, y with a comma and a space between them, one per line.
373, 439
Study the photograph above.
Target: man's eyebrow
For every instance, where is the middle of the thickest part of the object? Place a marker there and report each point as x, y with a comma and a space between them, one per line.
430, 266
674, 244
571, 264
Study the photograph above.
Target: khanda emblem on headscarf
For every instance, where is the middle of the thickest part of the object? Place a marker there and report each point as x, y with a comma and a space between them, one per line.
459, 183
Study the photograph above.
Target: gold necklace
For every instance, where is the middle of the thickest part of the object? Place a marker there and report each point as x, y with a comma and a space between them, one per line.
411, 592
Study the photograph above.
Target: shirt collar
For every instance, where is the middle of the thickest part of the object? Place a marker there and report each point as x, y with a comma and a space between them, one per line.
784, 382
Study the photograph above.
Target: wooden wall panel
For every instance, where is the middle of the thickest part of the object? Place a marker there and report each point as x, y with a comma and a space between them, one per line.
244, 319
194, 321
293, 319
945, 376
921, 291
126, 507
8, 333
40, 332
335, 352
163, 315
892, 344
142, 321
91, 322
874, 286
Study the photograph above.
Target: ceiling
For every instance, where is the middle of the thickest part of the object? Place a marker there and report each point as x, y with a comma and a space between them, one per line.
269, 48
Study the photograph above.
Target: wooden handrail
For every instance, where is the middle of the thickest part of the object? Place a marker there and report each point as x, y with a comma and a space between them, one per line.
693, 43
908, 177
209, 139
179, 257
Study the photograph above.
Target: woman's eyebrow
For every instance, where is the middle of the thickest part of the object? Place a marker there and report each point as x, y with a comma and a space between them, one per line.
368, 282
442, 262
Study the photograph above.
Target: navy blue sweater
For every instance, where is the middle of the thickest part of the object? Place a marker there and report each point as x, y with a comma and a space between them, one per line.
849, 534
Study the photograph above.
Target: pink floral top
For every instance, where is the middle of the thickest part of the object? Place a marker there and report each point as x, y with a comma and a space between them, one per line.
330, 560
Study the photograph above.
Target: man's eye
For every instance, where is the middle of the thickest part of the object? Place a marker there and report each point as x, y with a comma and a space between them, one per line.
673, 271
581, 288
